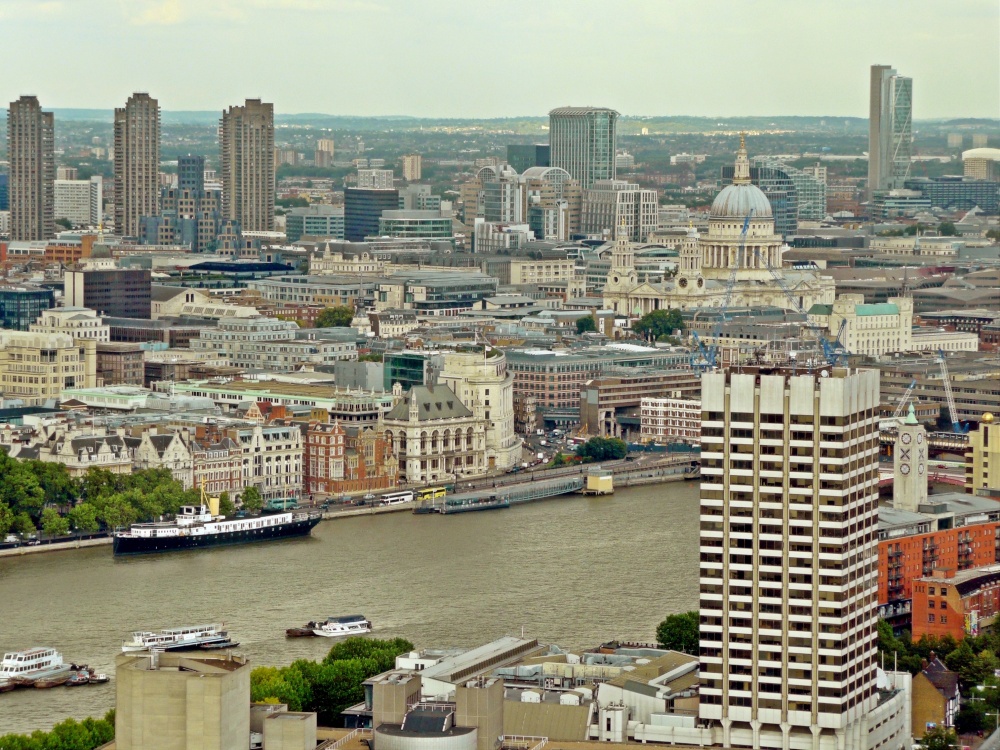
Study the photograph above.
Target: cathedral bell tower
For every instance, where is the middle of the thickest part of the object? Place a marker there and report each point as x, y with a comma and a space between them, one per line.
622, 278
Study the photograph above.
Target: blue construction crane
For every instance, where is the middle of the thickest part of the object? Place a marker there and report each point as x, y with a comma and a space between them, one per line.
956, 424
711, 352
834, 350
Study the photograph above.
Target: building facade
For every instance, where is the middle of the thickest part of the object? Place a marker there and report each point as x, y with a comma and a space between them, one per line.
115, 292
246, 140
890, 129
583, 141
78, 322
789, 504
317, 220
363, 208
20, 306
482, 380
872, 330
30, 151
613, 207
982, 457
36, 367
670, 420
412, 167
80, 202
137, 163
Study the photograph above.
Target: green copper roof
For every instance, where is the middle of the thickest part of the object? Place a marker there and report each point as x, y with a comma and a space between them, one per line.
819, 309
883, 308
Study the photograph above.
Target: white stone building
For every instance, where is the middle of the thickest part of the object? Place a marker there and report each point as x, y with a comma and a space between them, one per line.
272, 459
166, 450
870, 329
670, 420
482, 381
435, 437
78, 322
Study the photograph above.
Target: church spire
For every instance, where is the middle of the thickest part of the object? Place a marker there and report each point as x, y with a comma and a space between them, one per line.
741, 175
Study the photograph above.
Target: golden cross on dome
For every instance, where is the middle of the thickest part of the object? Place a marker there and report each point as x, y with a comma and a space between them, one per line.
743, 139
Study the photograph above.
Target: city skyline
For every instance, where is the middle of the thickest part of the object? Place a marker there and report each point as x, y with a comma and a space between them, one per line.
677, 55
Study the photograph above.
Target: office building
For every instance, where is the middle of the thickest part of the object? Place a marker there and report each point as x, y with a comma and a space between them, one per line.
954, 193
524, 156
415, 224
412, 167
583, 142
246, 141
362, 210
869, 329
137, 163
4, 191
36, 367
275, 345
97, 283
326, 146
188, 216
78, 322
20, 306
977, 163
30, 150
788, 561
418, 198
317, 220
179, 701
612, 208
890, 129
809, 185
375, 179
982, 457
79, 201
191, 173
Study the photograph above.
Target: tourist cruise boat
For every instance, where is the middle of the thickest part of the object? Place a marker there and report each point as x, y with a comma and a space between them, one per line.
195, 526
339, 626
25, 667
179, 639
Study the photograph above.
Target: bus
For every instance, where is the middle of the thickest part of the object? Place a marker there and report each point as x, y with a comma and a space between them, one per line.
395, 498
431, 493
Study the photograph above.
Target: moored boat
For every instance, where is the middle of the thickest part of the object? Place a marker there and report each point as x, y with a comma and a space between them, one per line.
78, 678
341, 626
24, 668
196, 526
51, 682
180, 639
305, 632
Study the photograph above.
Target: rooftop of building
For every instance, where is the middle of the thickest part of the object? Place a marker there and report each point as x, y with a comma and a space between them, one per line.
433, 402
480, 659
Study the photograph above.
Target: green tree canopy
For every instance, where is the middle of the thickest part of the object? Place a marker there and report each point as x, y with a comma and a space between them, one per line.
602, 449
20, 489
83, 517
6, 519
66, 735
947, 229
586, 325
53, 524
286, 685
226, 506
679, 633
56, 483
23, 524
659, 323
940, 738
252, 500
338, 316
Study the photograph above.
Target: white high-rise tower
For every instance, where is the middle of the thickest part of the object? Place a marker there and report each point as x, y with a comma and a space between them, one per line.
789, 511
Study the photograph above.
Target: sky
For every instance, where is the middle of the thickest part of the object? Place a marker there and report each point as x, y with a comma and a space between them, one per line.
498, 58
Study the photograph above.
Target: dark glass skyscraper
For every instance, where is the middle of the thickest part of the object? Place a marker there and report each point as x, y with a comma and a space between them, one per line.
191, 173
583, 141
522, 156
4, 191
363, 208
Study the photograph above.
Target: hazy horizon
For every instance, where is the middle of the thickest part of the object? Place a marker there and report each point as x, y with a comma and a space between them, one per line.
456, 60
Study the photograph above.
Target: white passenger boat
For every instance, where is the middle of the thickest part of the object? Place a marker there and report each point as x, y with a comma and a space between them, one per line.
25, 667
340, 626
179, 639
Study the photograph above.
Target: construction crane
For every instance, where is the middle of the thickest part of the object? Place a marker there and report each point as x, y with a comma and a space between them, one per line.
956, 425
711, 352
904, 399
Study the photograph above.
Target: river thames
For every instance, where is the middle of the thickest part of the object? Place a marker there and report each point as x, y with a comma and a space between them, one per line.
571, 571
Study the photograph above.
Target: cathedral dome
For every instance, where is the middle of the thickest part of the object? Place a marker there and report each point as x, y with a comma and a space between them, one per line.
738, 200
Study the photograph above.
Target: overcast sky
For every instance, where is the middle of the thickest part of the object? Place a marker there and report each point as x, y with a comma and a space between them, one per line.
491, 58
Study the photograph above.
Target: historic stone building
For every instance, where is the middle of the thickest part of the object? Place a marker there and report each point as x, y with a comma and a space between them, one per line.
435, 437
707, 263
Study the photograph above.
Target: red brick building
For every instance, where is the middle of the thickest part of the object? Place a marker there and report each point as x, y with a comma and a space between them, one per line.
323, 472
956, 603
904, 559
349, 459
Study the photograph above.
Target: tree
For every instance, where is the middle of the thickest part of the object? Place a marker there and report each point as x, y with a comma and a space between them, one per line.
64, 223
83, 517
659, 323
116, 511
602, 449
586, 325
226, 506
961, 661
971, 717
338, 316
23, 524
679, 633
20, 489
940, 738
6, 519
252, 500
947, 229
993, 234
53, 524
54, 479
285, 685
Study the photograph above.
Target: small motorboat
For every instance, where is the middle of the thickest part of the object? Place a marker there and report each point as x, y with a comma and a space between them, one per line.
98, 678
78, 678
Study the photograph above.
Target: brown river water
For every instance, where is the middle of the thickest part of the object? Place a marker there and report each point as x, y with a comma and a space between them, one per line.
573, 571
